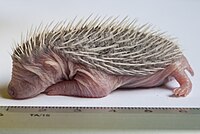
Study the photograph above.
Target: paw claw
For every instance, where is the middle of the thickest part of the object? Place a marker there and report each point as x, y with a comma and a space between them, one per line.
183, 92
180, 92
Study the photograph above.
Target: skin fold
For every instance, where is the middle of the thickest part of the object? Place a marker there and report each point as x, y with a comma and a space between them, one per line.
55, 75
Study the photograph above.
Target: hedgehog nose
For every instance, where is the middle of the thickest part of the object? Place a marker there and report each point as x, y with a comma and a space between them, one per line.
11, 92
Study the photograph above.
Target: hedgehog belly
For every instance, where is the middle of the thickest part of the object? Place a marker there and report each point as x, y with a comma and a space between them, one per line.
92, 83
88, 82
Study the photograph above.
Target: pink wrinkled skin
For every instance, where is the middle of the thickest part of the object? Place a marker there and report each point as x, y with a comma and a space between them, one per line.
54, 75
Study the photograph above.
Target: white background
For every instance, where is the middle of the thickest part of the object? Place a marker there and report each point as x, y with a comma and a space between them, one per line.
180, 18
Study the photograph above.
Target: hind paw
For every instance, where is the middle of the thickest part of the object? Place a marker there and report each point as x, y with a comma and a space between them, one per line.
184, 82
182, 78
181, 92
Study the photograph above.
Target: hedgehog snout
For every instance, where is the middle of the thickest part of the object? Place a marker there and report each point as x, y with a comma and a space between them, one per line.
12, 92
21, 90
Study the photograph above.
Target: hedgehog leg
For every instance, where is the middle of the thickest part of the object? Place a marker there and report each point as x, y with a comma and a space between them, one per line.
84, 84
184, 82
74, 88
63, 88
180, 75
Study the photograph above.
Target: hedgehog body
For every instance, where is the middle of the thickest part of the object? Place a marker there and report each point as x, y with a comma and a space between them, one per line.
119, 51
111, 46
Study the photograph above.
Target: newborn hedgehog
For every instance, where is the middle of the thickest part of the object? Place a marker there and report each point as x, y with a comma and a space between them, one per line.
92, 58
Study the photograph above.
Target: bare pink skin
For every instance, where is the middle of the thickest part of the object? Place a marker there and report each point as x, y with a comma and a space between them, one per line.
54, 75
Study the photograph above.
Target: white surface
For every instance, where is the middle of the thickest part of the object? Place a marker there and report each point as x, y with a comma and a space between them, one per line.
180, 18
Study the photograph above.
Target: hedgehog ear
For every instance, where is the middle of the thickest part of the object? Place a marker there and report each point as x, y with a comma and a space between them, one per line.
51, 64
34, 69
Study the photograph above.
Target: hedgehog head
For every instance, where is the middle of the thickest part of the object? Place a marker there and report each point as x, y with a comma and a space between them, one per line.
32, 74
23, 82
